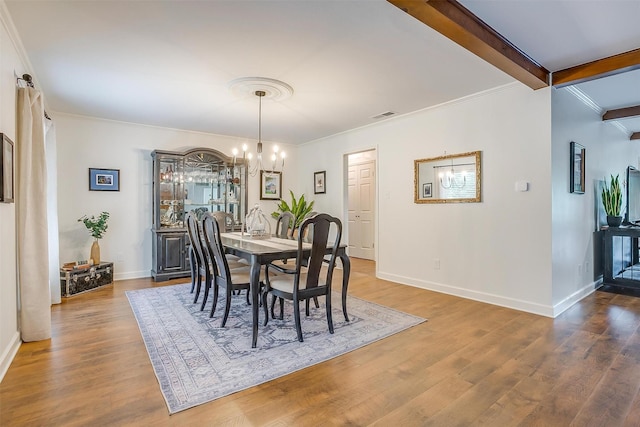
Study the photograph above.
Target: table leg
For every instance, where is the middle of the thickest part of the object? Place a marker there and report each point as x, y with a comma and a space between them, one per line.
346, 270
255, 290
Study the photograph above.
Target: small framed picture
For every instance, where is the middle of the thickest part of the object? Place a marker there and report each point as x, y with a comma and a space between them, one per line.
270, 185
319, 179
104, 179
426, 190
577, 168
6, 170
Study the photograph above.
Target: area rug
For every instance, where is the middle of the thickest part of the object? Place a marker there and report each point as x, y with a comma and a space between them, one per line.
197, 361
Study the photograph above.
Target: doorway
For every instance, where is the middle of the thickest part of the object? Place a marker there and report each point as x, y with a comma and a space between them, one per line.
361, 204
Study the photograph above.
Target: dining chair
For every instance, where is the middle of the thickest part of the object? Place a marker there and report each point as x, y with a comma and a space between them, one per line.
197, 256
230, 279
280, 266
285, 225
306, 281
225, 221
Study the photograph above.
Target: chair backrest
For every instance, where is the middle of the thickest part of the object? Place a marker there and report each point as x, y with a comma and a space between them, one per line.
225, 220
195, 238
321, 224
285, 224
214, 247
308, 233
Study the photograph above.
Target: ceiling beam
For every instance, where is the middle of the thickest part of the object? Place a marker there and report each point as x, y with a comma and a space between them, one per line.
457, 23
621, 113
635, 135
604, 67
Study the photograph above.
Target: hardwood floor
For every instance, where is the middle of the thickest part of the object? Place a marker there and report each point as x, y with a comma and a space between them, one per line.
470, 364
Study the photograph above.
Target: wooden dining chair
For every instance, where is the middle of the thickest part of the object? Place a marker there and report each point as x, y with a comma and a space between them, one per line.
197, 257
281, 265
225, 220
306, 281
224, 277
285, 225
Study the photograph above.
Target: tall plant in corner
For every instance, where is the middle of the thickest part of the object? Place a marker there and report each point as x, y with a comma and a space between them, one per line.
612, 201
299, 208
97, 227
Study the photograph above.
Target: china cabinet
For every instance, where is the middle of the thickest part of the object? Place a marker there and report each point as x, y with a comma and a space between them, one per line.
200, 180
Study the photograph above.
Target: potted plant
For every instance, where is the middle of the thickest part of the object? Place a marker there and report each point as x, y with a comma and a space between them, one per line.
97, 227
612, 201
299, 208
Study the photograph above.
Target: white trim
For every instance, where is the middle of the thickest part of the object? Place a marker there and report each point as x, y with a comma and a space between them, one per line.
131, 275
5, 18
569, 301
235, 139
516, 304
586, 100
14, 36
9, 354
431, 107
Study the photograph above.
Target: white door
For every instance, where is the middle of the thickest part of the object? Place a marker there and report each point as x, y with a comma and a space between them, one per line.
361, 184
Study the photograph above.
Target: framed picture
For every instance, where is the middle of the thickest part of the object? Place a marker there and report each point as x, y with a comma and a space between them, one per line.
270, 185
577, 168
319, 179
426, 190
104, 179
6, 170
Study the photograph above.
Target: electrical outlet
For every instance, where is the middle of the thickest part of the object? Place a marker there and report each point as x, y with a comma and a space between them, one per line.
436, 264
119, 257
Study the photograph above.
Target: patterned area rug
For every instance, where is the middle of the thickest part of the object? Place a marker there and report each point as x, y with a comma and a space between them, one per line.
197, 361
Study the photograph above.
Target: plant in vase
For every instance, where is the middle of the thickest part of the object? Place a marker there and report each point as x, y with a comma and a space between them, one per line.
612, 201
97, 227
299, 208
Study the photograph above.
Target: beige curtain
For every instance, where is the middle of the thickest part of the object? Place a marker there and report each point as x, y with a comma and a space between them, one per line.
31, 213
52, 212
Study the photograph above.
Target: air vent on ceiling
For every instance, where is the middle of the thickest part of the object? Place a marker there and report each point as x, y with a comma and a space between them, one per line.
385, 114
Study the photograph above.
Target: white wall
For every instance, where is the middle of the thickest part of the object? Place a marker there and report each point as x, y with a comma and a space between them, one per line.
10, 65
85, 142
608, 151
498, 251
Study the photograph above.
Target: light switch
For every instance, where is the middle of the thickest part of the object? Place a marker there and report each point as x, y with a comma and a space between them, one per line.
522, 186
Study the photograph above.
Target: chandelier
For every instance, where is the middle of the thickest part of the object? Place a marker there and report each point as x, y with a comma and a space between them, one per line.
260, 164
449, 180
262, 88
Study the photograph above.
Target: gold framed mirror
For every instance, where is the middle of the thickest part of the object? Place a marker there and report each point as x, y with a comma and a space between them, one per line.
452, 178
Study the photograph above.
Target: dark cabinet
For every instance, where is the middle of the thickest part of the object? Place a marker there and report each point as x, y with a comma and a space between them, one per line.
172, 248
621, 257
200, 180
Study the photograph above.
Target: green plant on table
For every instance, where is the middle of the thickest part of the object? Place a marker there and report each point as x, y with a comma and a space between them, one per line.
299, 208
612, 197
96, 226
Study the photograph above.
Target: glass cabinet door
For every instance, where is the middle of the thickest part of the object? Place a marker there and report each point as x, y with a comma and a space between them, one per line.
200, 180
170, 197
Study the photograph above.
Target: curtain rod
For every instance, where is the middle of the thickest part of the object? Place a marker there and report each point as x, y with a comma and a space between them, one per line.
29, 82
457, 164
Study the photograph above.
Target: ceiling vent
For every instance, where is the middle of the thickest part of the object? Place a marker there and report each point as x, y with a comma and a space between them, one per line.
385, 114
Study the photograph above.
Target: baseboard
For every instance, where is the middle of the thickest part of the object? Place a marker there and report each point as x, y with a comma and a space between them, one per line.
563, 305
131, 275
516, 304
9, 353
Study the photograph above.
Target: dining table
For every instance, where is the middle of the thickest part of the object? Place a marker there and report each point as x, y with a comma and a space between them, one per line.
263, 250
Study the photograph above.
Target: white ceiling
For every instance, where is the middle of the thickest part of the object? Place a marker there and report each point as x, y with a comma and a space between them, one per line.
562, 34
169, 63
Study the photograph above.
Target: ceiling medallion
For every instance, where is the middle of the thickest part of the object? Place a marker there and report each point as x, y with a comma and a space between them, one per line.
274, 90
